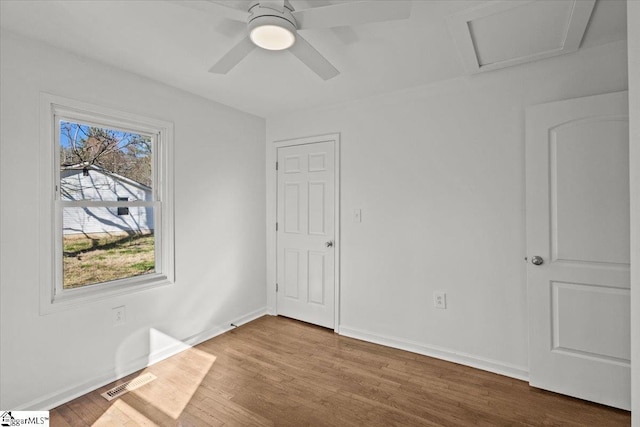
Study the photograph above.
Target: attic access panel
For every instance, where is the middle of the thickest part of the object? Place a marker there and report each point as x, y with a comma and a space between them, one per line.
500, 34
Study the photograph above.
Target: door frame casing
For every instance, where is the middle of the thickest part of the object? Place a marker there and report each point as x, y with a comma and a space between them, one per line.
272, 206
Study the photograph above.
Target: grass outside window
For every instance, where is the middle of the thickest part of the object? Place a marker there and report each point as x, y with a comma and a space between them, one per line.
96, 258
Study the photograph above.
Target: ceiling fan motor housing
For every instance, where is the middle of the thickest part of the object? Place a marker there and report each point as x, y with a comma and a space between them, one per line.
263, 13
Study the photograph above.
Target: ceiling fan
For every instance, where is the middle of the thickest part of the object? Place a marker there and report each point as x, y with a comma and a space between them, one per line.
274, 25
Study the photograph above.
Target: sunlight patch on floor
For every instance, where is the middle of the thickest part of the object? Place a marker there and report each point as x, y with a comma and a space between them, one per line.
164, 399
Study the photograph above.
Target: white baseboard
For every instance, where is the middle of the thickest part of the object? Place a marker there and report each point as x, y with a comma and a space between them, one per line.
53, 400
506, 369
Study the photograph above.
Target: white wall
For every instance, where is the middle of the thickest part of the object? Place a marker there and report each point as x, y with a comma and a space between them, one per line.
438, 172
633, 35
219, 230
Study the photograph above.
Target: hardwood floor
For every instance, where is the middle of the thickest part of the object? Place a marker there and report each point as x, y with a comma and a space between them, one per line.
278, 371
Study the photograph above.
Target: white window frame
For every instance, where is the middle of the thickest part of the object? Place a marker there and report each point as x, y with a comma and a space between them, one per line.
53, 109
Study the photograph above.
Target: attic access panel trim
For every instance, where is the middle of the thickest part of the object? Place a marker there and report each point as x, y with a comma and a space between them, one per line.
480, 32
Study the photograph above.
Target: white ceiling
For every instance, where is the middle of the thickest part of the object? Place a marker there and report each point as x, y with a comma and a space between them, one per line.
177, 45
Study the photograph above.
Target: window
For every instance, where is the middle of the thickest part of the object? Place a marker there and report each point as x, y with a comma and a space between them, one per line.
125, 210
110, 203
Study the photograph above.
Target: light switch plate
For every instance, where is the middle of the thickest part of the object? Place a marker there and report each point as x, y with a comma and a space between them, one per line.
357, 215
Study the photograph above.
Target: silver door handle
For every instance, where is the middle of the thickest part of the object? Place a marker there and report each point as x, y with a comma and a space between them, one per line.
329, 244
537, 260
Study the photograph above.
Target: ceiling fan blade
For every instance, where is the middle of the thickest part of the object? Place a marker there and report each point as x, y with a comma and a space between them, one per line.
345, 34
233, 57
352, 13
313, 59
214, 9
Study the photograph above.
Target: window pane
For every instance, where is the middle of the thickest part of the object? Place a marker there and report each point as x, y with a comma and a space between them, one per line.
99, 245
123, 211
104, 164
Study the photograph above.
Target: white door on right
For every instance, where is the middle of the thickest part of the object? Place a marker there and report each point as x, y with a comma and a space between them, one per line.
577, 160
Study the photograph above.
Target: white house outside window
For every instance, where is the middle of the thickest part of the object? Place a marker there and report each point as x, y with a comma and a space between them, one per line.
111, 202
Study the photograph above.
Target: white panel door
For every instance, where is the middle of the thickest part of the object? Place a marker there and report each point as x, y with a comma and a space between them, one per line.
577, 159
305, 235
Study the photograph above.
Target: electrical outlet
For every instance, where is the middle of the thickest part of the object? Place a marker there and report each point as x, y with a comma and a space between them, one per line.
440, 300
119, 315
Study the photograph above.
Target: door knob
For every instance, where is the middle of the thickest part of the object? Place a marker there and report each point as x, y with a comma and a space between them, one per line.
537, 260
329, 244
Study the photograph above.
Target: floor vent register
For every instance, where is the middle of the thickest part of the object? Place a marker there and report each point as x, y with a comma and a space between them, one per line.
128, 386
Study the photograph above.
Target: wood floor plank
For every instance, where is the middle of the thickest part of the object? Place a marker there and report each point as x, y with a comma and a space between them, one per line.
61, 421
64, 414
276, 371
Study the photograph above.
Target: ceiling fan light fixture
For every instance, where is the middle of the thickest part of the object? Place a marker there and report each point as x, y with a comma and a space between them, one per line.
272, 32
272, 37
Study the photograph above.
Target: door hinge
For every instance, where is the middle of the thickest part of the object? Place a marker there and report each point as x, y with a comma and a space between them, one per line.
276, 226
276, 287
276, 165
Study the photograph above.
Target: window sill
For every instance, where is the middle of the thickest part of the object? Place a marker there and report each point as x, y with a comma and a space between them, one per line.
74, 298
